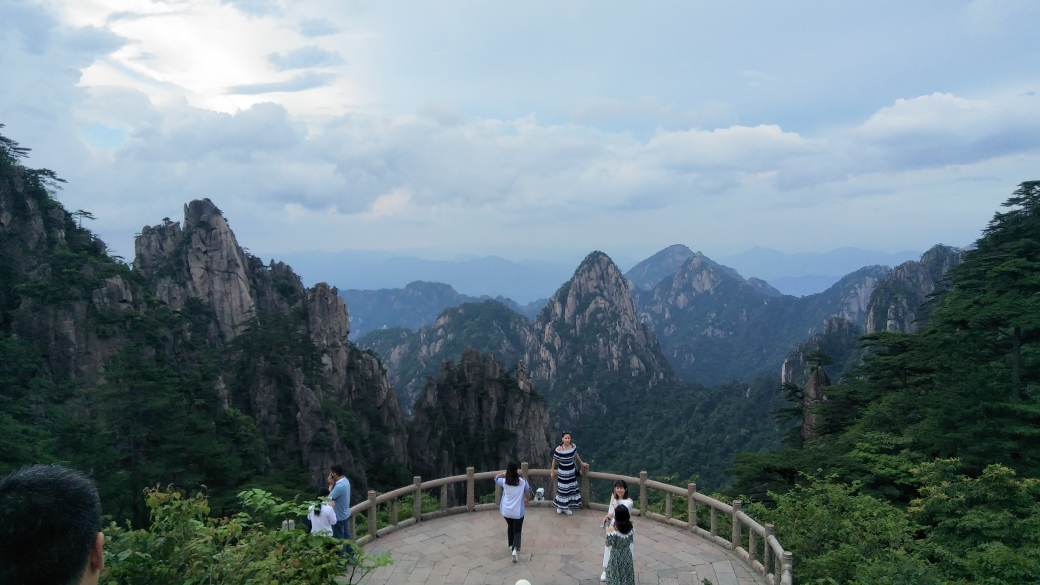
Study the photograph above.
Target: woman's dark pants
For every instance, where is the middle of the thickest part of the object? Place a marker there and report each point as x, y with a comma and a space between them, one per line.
513, 528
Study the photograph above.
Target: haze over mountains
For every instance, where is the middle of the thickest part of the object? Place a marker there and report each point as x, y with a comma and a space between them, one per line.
523, 281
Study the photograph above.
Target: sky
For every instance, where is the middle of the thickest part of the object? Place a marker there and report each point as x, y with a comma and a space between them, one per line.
534, 130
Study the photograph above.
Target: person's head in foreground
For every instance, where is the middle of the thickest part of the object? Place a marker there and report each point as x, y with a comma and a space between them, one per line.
523, 582
50, 528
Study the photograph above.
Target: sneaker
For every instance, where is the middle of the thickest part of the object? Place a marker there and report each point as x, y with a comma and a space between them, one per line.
567, 512
559, 511
603, 577
514, 556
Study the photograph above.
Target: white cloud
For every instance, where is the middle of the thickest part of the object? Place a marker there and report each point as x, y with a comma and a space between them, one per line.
390, 203
291, 120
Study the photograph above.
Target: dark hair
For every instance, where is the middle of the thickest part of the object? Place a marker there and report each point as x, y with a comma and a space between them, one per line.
622, 484
49, 520
512, 475
622, 519
338, 470
322, 493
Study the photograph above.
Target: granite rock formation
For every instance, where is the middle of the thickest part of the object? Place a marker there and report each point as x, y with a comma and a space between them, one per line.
412, 356
897, 304
290, 399
813, 397
837, 340
475, 413
716, 326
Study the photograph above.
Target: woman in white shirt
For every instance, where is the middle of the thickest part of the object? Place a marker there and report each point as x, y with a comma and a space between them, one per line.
322, 517
515, 494
618, 498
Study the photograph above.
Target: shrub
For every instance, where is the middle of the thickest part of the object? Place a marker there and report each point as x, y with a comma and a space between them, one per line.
185, 546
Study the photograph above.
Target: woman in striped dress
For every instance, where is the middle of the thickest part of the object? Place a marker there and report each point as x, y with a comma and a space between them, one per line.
568, 494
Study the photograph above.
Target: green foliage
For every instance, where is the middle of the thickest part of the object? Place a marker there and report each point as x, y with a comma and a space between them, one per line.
930, 446
984, 529
685, 429
185, 545
838, 532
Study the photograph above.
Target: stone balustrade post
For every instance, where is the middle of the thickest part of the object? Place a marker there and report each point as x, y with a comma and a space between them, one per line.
642, 493
736, 523
668, 504
586, 493
470, 493
767, 554
393, 512
752, 546
498, 494
787, 568
444, 497
525, 472
417, 501
714, 521
373, 518
691, 505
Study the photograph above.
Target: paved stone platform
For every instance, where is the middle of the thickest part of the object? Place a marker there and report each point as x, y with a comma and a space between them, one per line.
471, 549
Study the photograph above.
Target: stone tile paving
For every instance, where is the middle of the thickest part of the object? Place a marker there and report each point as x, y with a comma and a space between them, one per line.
471, 549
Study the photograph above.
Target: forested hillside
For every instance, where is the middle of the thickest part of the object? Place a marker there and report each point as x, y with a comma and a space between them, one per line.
199, 366
923, 464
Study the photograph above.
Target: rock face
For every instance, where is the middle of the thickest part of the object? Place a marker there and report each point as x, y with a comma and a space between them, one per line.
51, 293
288, 393
838, 340
476, 414
897, 303
588, 338
716, 326
412, 356
203, 261
814, 395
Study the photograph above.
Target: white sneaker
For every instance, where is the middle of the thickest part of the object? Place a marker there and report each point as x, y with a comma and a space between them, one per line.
603, 577
567, 512
559, 511
514, 556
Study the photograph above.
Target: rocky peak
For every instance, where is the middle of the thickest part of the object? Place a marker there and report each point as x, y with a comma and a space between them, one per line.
591, 326
897, 302
813, 396
202, 261
656, 268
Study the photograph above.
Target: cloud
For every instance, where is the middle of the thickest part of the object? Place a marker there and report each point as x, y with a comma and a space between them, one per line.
301, 82
317, 27
183, 101
254, 7
391, 203
304, 57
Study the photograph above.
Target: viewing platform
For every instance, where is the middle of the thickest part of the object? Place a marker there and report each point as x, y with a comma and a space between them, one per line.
466, 544
470, 549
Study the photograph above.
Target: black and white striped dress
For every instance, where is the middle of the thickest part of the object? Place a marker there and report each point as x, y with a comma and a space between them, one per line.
568, 493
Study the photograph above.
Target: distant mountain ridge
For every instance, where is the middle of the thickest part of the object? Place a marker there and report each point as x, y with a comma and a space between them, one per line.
417, 304
715, 326
523, 281
806, 273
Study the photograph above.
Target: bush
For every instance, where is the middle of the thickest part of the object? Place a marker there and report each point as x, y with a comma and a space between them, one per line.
185, 546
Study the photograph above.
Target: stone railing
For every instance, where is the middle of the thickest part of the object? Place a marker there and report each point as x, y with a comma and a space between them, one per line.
774, 563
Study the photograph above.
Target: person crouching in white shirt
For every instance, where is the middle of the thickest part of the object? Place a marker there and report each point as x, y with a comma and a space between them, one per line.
322, 516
